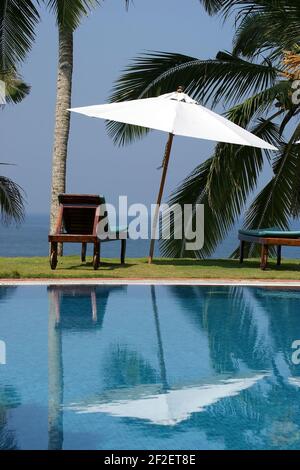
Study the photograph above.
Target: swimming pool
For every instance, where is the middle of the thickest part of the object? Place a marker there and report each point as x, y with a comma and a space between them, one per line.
149, 367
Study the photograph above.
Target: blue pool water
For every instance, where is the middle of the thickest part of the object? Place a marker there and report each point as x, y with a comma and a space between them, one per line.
149, 367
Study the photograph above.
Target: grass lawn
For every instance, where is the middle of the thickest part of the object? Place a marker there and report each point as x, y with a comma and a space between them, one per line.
71, 267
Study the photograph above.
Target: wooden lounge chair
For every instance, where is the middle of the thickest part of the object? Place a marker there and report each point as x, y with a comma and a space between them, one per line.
266, 238
77, 221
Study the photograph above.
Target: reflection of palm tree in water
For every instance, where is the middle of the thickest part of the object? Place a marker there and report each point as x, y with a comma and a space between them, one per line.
254, 414
234, 339
244, 331
74, 309
55, 374
266, 416
7, 292
281, 306
225, 316
8, 397
126, 368
8, 400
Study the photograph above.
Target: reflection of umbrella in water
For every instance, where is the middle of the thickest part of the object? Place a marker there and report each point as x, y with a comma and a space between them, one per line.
177, 114
295, 381
172, 407
161, 404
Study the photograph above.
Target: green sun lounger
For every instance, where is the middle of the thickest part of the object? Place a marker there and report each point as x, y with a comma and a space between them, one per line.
271, 232
266, 237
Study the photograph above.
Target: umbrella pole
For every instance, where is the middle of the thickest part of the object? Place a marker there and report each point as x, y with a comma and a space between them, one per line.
160, 194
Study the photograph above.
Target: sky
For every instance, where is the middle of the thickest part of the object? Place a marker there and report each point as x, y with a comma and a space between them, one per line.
104, 44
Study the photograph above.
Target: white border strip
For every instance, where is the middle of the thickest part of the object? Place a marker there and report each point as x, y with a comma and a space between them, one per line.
143, 282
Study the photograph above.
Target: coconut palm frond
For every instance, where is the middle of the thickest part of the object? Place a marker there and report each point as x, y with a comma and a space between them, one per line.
212, 6
278, 95
69, 13
207, 185
17, 31
11, 201
227, 78
259, 91
279, 200
15, 88
261, 24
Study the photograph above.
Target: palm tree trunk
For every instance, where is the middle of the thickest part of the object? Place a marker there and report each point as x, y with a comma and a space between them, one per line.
62, 121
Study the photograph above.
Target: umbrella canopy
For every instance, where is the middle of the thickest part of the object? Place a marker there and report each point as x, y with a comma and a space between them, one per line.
178, 114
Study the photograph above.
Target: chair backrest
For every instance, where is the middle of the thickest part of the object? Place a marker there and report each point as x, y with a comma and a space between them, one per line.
79, 212
80, 199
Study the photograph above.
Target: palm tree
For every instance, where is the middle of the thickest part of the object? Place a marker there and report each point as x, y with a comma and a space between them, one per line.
256, 82
18, 19
68, 18
17, 22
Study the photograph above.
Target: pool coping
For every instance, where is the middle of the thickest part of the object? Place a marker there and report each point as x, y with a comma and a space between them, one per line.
154, 281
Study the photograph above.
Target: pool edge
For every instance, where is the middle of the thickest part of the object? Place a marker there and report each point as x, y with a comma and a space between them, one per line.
158, 281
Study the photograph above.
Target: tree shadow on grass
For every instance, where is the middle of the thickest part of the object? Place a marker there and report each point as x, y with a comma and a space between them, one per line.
228, 264
89, 266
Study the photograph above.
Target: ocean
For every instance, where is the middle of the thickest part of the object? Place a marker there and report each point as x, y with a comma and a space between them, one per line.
31, 239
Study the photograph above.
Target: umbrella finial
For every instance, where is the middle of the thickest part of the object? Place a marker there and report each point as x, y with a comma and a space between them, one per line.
180, 89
